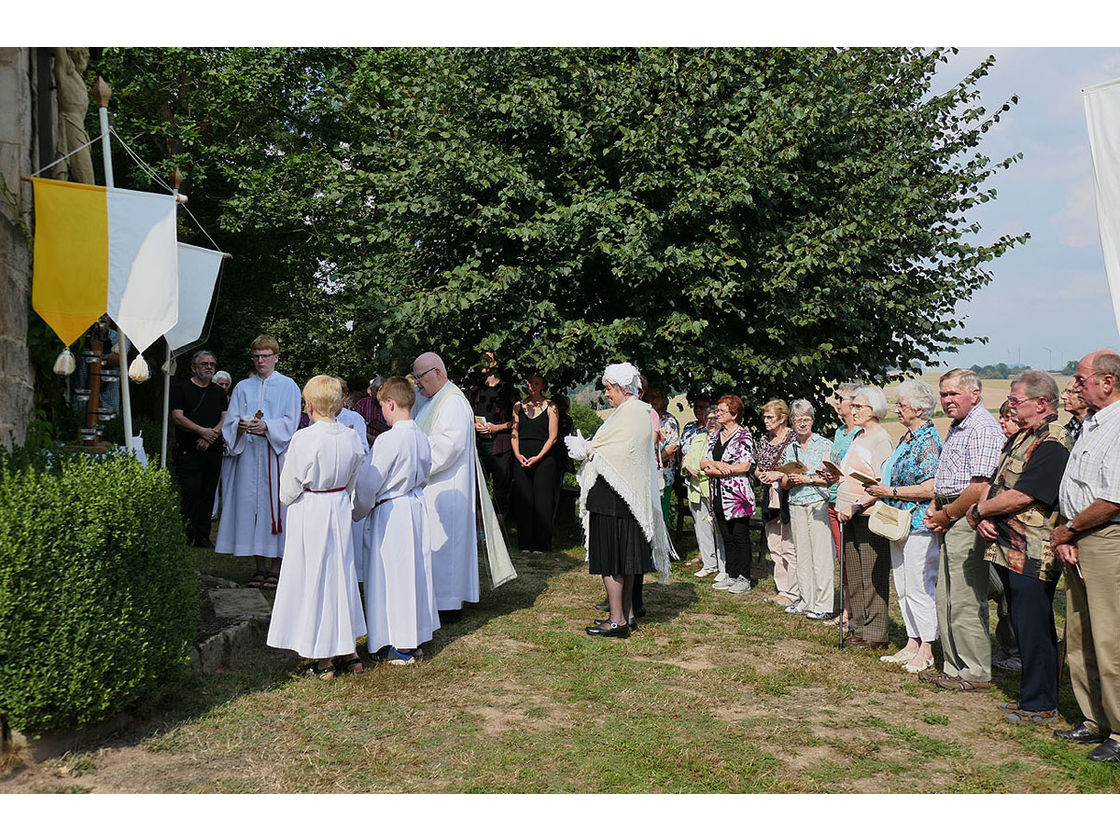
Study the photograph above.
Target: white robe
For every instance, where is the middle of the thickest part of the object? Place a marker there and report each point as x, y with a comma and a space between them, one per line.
356, 422
400, 599
252, 512
450, 496
318, 611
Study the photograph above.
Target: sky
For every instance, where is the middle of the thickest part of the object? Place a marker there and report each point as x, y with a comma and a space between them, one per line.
1049, 301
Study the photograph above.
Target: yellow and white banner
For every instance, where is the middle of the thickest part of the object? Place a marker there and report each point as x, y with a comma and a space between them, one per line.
100, 250
1102, 113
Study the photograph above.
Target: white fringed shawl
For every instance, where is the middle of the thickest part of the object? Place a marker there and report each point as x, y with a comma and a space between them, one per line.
622, 453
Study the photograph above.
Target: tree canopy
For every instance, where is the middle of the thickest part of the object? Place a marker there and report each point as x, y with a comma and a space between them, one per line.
760, 221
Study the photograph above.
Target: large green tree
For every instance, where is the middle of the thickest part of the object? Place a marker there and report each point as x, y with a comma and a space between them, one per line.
752, 220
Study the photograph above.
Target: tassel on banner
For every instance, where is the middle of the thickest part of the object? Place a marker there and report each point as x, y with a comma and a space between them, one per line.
65, 365
139, 371
170, 367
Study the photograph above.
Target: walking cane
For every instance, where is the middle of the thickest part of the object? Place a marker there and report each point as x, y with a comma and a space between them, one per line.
840, 623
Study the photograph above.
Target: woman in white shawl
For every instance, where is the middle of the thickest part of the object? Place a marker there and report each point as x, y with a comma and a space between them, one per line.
619, 500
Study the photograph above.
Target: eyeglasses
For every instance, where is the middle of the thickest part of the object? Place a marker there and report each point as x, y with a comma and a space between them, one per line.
805, 419
860, 406
419, 376
841, 397
206, 364
256, 356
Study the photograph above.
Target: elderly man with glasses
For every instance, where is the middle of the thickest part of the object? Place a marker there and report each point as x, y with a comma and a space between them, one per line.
198, 408
1089, 543
968, 459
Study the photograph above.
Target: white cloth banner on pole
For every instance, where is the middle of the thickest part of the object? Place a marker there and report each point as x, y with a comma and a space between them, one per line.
1102, 113
198, 272
143, 265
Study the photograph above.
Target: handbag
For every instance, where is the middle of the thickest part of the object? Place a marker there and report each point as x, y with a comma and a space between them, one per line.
890, 522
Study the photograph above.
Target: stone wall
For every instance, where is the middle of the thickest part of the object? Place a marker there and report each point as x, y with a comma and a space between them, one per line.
17, 140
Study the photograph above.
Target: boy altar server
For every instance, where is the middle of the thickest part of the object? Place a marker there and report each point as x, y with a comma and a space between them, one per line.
400, 602
318, 611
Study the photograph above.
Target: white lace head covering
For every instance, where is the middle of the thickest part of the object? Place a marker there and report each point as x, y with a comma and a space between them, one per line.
625, 376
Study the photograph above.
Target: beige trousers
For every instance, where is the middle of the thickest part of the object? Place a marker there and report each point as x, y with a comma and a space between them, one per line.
962, 604
779, 539
1093, 629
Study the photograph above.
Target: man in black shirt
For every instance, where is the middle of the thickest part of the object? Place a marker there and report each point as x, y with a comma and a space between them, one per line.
198, 407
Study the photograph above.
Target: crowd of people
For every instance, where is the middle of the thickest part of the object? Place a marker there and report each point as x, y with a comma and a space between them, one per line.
387, 494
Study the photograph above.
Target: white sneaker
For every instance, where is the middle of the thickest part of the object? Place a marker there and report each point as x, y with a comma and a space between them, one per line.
704, 572
721, 576
741, 584
898, 658
726, 583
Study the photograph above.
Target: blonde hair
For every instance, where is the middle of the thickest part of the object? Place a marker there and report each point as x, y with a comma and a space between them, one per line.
265, 342
779, 407
325, 394
399, 390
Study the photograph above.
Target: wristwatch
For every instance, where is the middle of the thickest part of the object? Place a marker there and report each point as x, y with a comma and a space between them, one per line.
894, 490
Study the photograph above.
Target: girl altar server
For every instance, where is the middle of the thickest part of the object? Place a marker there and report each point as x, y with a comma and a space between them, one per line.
400, 602
318, 611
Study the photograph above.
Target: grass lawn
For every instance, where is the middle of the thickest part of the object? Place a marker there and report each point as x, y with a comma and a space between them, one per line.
715, 693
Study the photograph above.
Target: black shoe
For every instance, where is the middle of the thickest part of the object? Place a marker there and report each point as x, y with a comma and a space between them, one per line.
203, 542
609, 630
1109, 750
603, 606
633, 624
450, 616
1081, 735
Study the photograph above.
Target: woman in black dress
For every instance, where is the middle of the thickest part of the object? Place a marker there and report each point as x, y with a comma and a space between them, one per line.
620, 501
536, 470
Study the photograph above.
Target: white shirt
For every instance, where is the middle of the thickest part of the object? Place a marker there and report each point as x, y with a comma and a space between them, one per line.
1093, 469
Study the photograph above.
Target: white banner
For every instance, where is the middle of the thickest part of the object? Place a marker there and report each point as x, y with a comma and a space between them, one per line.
198, 272
143, 265
1102, 112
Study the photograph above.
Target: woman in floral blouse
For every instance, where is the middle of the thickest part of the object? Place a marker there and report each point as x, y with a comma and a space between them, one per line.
908, 484
772, 449
727, 462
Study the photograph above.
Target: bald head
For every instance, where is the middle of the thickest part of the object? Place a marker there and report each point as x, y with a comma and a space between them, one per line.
429, 373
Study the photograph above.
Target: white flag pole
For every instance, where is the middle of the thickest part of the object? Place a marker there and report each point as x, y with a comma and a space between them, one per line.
102, 91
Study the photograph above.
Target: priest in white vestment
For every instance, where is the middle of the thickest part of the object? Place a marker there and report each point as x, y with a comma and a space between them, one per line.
318, 611
389, 500
263, 415
448, 420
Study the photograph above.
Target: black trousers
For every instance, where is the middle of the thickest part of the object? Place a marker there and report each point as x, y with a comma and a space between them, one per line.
736, 534
497, 468
1032, 615
534, 503
198, 481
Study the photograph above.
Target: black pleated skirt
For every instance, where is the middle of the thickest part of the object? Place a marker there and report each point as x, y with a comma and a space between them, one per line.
616, 544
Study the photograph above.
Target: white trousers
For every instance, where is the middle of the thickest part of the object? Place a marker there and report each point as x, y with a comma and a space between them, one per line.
708, 539
914, 563
812, 542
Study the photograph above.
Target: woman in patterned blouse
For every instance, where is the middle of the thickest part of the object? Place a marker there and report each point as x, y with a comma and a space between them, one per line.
727, 462
908, 484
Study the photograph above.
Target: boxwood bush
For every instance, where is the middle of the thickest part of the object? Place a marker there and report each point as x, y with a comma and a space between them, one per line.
98, 601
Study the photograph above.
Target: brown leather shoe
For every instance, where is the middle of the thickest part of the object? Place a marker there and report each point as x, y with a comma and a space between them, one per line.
932, 676
961, 684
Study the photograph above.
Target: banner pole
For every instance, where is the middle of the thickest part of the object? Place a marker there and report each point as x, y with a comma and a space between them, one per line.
102, 92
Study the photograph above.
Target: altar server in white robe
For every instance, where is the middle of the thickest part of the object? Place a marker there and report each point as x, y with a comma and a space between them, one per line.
318, 611
263, 415
448, 420
400, 600
351, 418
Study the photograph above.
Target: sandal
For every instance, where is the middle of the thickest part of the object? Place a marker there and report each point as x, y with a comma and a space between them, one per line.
313, 671
270, 582
257, 580
1022, 716
352, 667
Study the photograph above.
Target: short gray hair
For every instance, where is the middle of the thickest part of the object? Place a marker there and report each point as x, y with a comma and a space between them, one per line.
802, 408
223, 375
848, 386
966, 378
1106, 362
920, 395
875, 398
200, 353
1038, 384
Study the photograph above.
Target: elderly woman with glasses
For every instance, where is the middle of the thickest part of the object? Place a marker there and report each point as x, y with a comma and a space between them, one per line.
867, 555
772, 449
907, 484
727, 461
808, 514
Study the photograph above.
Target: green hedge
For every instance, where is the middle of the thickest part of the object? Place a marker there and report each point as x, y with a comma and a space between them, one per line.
98, 601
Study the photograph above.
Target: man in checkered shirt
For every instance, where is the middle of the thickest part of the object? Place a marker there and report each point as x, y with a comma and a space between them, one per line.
968, 459
1089, 543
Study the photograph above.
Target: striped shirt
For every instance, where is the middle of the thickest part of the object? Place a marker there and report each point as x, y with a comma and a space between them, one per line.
1093, 470
972, 448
